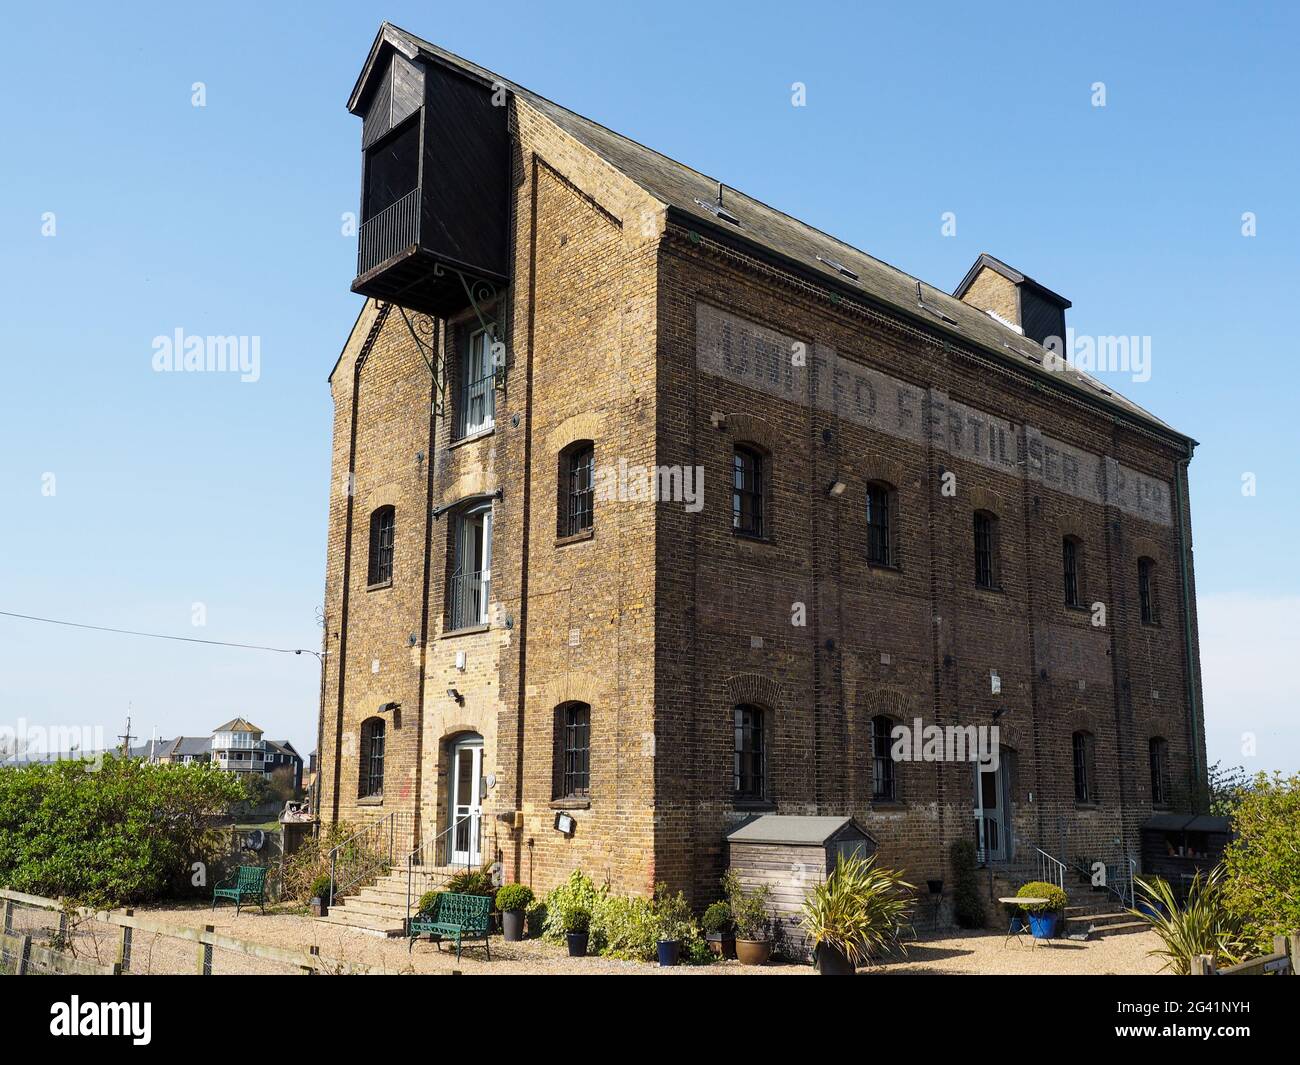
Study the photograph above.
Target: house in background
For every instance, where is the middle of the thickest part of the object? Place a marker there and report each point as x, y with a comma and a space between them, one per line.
237, 746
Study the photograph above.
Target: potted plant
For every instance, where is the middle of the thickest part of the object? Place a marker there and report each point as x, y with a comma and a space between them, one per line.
576, 923
1044, 917
718, 930
512, 901
753, 922
536, 917
859, 910
673, 924
320, 895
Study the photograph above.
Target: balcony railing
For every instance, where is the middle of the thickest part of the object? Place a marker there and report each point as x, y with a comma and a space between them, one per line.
477, 410
396, 227
468, 597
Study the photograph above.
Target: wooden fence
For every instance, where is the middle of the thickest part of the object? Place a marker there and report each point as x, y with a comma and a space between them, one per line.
1279, 963
30, 957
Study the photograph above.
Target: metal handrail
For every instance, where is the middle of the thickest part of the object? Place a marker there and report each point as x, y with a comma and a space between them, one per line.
374, 829
393, 229
417, 856
1050, 870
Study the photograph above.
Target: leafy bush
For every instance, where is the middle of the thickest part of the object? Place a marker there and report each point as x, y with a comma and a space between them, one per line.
1203, 924
428, 902
1263, 862
859, 910
717, 919
536, 917
673, 920
576, 892
577, 920
749, 909
967, 905
127, 832
697, 952
624, 926
514, 897
304, 868
320, 887
1041, 889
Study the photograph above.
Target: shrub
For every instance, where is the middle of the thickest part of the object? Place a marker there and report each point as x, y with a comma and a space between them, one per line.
128, 832
749, 910
320, 887
473, 882
428, 901
673, 920
859, 910
1262, 863
967, 905
717, 919
536, 917
577, 891
514, 897
1041, 889
624, 926
1202, 925
697, 952
577, 920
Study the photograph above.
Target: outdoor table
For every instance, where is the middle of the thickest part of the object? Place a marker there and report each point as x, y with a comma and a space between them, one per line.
1027, 900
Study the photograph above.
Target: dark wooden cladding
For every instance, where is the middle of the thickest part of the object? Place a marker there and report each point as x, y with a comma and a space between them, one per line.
1040, 317
441, 210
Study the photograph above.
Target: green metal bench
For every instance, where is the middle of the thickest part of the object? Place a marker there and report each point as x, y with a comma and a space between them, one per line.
457, 917
245, 884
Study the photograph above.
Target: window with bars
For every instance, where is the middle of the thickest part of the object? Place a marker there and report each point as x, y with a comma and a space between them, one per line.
383, 524
476, 410
577, 489
372, 758
1147, 591
1083, 783
751, 754
573, 751
986, 568
880, 515
884, 778
1070, 570
747, 492
1159, 771
470, 585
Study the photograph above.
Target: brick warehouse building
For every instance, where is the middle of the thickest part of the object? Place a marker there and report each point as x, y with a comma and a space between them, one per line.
910, 509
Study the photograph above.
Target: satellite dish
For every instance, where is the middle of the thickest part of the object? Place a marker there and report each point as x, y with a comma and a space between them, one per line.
256, 840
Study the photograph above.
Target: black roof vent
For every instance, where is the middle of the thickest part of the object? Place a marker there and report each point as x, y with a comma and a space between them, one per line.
717, 210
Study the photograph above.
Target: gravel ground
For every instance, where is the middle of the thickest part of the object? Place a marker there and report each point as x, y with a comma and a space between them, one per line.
964, 953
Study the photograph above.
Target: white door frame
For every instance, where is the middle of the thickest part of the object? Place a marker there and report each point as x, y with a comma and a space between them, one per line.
466, 811
993, 823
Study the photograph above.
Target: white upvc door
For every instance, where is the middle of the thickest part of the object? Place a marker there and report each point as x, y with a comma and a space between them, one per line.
466, 802
991, 813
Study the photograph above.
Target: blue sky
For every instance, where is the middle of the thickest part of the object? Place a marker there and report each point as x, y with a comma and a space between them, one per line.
172, 490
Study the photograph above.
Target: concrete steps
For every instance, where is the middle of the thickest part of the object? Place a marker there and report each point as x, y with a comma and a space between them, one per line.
380, 908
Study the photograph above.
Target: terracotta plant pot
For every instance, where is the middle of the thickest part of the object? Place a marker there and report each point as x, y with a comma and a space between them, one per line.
512, 924
753, 951
724, 946
831, 961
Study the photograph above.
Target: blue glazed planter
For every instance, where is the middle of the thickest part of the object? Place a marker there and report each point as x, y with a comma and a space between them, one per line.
669, 951
1043, 925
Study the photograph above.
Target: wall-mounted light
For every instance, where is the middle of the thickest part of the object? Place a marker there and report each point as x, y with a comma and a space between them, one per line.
835, 488
565, 823
456, 696
385, 708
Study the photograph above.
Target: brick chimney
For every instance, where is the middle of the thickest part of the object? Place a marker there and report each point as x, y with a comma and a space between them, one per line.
1014, 299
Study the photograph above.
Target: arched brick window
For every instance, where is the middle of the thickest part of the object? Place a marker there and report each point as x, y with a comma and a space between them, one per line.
1071, 567
575, 509
1085, 787
1159, 751
572, 751
986, 549
882, 523
1148, 602
884, 770
747, 491
750, 762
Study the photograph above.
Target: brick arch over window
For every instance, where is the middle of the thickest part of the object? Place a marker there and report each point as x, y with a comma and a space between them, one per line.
752, 429
370, 776
756, 689
589, 425
572, 688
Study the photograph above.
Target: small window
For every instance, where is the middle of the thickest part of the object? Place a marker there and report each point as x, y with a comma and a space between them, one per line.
751, 754
573, 751
577, 490
747, 492
477, 408
884, 778
1147, 591
372, 758
1159, 771
1083, 768
471, 574
986, 547
382, 525
880, 520
1070, 570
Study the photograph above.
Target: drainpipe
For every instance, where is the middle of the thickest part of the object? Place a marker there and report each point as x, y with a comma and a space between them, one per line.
1189, 647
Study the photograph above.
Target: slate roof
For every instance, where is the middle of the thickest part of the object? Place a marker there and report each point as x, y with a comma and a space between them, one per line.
796, 243
792, 830
188, 745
